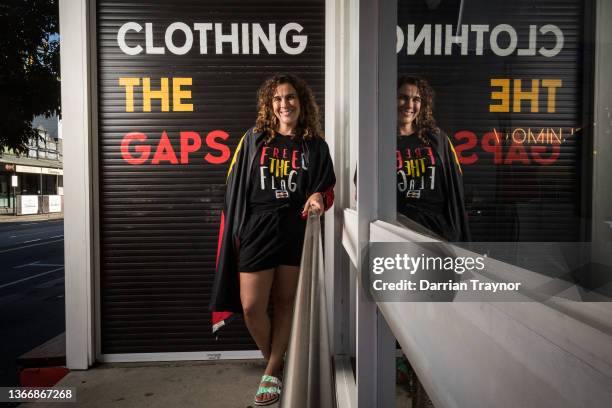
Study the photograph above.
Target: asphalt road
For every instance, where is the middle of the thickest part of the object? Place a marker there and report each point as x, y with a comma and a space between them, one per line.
31, 289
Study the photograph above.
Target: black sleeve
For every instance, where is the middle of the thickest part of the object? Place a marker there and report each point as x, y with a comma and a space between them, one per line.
323, 176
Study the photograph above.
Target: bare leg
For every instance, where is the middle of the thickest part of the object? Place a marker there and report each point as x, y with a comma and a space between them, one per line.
254, 295
283, 293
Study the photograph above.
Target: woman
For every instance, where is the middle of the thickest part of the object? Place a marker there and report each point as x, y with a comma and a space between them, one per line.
280, 172
429, 177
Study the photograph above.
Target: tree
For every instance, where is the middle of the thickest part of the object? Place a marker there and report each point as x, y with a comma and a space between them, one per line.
29, 61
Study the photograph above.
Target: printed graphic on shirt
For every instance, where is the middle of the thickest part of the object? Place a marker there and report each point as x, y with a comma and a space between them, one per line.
416, 170
277, 172
278, 169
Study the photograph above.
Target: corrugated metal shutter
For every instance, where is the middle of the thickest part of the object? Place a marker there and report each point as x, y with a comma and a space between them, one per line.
516, 198
159, 222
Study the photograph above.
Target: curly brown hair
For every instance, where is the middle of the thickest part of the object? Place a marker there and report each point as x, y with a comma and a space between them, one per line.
309, 125
424, 123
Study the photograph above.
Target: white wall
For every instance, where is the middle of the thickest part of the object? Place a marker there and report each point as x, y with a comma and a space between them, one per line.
76, 127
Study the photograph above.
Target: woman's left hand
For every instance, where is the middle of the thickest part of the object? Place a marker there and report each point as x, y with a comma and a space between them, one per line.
314, 204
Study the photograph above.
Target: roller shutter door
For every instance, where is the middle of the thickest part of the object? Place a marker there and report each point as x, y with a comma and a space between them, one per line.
159, 201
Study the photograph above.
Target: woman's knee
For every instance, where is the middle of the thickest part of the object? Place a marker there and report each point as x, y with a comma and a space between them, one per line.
253, 311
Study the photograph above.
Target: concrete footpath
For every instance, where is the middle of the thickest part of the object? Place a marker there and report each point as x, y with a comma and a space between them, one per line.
201, 384
31, 218
178, 384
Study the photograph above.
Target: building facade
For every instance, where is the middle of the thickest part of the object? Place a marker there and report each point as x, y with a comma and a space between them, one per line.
32, 183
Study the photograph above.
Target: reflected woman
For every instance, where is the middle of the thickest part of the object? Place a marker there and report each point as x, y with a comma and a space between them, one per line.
429, 176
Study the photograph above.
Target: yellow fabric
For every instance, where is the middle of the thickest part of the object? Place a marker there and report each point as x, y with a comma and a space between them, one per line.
455, 154
231, 166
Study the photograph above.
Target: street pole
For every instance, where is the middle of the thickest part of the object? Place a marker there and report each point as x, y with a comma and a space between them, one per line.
40, 197
14, 184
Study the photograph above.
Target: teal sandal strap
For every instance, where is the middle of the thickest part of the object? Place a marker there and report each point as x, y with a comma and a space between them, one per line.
270, 379
268, 390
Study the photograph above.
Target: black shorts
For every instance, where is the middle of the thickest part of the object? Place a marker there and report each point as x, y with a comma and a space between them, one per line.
271, 238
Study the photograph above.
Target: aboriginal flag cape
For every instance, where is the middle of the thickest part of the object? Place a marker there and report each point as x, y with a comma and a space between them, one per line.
459, 227
456, 227
225, 299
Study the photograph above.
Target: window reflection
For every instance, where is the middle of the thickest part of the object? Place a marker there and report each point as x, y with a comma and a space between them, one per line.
512, 92
429, 176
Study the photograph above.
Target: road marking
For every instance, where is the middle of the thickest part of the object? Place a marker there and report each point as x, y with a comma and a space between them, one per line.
28, 246
30, 277
28, 264
37, 263
32, 240
25, 234
47, 284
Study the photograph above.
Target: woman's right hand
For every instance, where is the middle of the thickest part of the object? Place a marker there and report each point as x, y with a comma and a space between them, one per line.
313, 204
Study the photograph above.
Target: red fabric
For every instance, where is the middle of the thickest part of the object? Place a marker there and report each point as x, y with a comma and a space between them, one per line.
328, 196
221, 228
42, 377
219, 317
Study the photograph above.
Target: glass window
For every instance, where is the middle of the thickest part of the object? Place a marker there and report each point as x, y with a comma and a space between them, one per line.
49, 184
4, 191
494, 118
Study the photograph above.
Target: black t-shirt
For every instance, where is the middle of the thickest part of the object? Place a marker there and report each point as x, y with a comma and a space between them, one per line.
421, 189
278, 175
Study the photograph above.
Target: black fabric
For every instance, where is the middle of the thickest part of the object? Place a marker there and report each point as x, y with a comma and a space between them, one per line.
278, 176
321, 178
430, 186
271, 238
